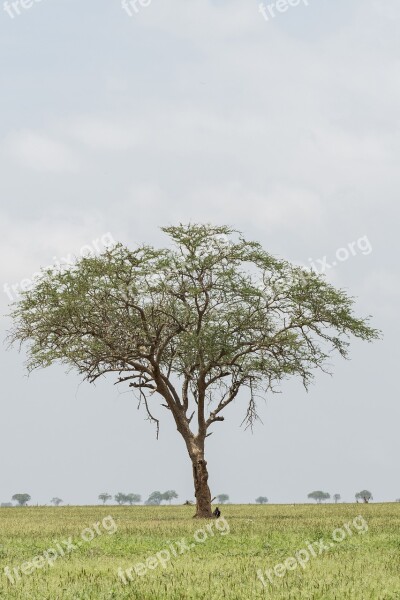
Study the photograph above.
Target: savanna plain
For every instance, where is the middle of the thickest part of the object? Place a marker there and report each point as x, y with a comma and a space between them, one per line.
220, 559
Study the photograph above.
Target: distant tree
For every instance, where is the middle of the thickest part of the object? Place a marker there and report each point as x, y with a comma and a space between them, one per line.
364, 495
133, 498
222, 498
56, 501
398, 500
121, 498
169, 495
336, 498
262, 500
154, 499
319, 496
22, 499
104, 497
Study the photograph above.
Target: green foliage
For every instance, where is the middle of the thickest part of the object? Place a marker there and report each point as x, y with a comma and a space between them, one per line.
104, 497
364, 495
121, 498
169, 495
133, 498
215, 312
56, 501
21, 499
157, 497
154, 499
262, 500
319, 496
222, 498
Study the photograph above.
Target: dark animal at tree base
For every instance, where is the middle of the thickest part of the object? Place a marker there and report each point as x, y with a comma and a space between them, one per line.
217, 513
365, 500
188, 503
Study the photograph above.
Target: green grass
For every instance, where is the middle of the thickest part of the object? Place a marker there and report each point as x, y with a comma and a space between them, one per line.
362, 566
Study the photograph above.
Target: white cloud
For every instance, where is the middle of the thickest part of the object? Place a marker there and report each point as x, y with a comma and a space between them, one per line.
382, 288
213, 21
39, 152
281, 207
389, 9
102, 133
32, 245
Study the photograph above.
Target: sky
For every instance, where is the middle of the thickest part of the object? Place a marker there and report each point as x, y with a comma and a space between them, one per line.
279, 120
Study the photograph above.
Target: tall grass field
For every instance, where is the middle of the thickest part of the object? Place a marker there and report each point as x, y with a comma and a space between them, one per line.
321, 552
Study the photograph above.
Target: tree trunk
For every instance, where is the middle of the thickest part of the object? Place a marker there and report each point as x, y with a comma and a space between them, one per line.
201, 489
195, 448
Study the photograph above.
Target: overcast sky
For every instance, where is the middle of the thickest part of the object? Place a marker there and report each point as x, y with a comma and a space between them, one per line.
196, 110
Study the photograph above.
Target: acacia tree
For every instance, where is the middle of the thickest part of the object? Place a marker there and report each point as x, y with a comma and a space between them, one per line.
120, 498
104, 497
154, 499
222, 498
192, 325
319, 496
336, 498
364, 495
262, 500
169, 495
133, 498
21, 499
56, 501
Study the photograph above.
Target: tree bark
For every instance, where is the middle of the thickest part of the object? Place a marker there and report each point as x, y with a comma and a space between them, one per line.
201, 488
200, 478
195, 447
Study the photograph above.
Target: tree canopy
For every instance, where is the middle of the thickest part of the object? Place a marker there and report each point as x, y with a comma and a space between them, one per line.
56, 501
212, 310
169, 495
222, 498
154, 499
21, 499
364, 495
105, 497
262, 500
121, 498
319, 496
133, 498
